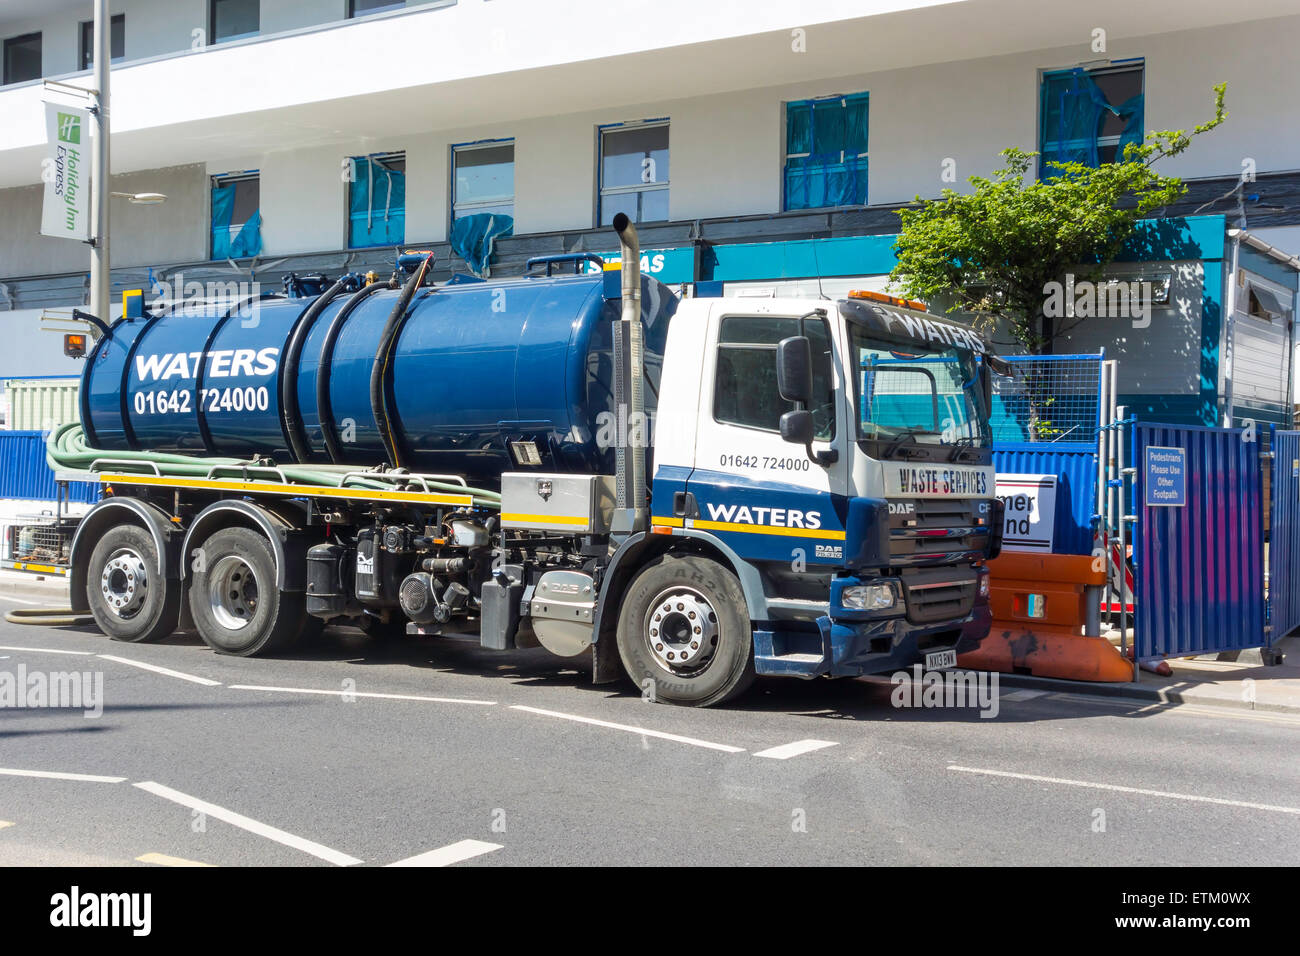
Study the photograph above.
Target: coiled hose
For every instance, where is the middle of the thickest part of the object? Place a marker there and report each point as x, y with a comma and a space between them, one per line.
66, 449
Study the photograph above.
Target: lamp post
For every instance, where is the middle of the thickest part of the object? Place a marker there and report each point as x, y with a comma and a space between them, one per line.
99, 165
100, 262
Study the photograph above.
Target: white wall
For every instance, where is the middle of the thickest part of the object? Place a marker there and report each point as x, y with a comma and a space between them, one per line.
175, 231
726, 148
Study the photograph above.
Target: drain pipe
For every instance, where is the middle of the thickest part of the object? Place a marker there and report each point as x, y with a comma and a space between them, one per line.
630, 486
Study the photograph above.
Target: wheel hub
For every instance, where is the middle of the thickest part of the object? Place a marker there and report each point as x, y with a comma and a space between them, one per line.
232, 592
681, 630
124, 583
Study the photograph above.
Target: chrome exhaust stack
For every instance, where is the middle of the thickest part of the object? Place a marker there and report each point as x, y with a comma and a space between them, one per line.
633, 429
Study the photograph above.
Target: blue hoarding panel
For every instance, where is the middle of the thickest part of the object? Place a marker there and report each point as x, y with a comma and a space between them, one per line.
1199, 567
1075, 467
25, 474
1284, 536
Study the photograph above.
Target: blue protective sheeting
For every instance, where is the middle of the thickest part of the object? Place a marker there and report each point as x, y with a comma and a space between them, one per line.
247, 242
472, 238
1072, 112
826, 143
376, 205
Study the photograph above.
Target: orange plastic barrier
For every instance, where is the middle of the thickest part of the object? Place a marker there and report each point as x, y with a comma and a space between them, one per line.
1051, 643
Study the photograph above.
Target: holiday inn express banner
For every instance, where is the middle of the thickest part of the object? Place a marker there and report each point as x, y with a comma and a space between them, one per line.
65, 171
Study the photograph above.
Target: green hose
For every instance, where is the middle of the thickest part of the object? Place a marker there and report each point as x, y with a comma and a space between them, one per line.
66, 449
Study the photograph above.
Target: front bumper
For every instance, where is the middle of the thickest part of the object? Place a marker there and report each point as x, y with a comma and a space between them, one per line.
857, 643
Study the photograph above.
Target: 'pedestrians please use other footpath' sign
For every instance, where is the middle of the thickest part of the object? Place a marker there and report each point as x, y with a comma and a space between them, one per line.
1165, 477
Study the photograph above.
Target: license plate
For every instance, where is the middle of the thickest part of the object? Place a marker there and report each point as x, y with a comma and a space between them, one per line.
940, 659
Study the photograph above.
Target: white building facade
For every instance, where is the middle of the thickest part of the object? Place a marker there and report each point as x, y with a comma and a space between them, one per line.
321, 135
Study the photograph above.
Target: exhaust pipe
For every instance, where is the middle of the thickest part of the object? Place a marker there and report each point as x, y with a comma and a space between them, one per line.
630, 487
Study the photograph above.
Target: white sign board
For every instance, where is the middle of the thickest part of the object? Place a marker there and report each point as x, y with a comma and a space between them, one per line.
65, 214
1029, 519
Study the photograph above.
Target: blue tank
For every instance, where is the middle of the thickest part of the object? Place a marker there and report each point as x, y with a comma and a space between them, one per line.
475, 366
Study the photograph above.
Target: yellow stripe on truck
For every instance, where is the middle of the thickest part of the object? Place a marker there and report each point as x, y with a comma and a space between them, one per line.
515, 518
768, 529
301, 491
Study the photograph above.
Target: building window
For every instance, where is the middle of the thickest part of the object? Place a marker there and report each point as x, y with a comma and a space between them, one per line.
377, 200
359, 8
826, 152
483, 176
116, 41
22, 58
1089, 116
233, 19
236, 217
634, 171
745, 391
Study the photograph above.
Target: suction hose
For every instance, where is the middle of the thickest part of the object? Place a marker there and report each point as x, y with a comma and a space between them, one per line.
66, 450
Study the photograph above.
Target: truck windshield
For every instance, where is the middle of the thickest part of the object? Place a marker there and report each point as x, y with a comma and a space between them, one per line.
917, 393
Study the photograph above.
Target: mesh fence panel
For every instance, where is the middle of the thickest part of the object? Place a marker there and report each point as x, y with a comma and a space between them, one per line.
1048, 398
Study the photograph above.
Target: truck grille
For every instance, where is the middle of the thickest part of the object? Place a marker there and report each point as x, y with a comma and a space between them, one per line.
940, 594
937, 530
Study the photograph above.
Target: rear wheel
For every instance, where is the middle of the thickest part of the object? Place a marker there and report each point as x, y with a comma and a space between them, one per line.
684, 632
234, 600
129, 599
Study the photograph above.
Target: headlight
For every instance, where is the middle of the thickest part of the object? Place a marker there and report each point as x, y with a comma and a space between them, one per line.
868, 597
984, 584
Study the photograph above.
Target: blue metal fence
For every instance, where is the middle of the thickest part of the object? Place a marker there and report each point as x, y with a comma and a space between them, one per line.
1199, 551
1284, 536
1046, 418
25, 474
1075, 468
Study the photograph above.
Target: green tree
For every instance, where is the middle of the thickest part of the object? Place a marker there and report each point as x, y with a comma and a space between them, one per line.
993, 251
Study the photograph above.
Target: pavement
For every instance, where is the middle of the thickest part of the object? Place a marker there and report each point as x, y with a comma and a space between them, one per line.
432, 752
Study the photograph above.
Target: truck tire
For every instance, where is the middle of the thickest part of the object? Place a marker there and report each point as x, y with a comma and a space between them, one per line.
684, 632
129, 600
235, 604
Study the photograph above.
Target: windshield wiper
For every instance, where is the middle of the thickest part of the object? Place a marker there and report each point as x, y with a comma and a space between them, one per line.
959, 446
907, 433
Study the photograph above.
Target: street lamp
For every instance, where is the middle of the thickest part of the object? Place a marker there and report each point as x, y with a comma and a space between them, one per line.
141, 199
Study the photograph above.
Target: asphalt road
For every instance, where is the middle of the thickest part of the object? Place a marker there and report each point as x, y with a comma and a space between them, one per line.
478, 758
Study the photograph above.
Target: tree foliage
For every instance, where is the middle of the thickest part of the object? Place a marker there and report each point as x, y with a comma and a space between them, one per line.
993, 251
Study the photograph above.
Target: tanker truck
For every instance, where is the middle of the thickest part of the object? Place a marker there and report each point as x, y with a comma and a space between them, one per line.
694, 491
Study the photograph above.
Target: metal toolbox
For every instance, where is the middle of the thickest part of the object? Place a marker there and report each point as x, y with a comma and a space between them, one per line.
578, 504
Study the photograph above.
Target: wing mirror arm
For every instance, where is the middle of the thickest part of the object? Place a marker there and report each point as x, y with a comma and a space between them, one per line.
794, 382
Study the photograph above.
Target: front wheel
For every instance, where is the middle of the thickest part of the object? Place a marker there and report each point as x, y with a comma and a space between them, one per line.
684, 633
234, 601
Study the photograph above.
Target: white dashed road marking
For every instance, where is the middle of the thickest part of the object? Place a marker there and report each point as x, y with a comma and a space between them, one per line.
48, 650
357, 693
249, 824
165, 671
162, 859
709, 745
1118, 789
53, 775
786, 751
447, 855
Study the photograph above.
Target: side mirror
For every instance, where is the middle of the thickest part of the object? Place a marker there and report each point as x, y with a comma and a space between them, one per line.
794, 369
797, 426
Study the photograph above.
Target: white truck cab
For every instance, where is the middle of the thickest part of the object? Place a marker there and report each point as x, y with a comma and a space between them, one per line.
837, 455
